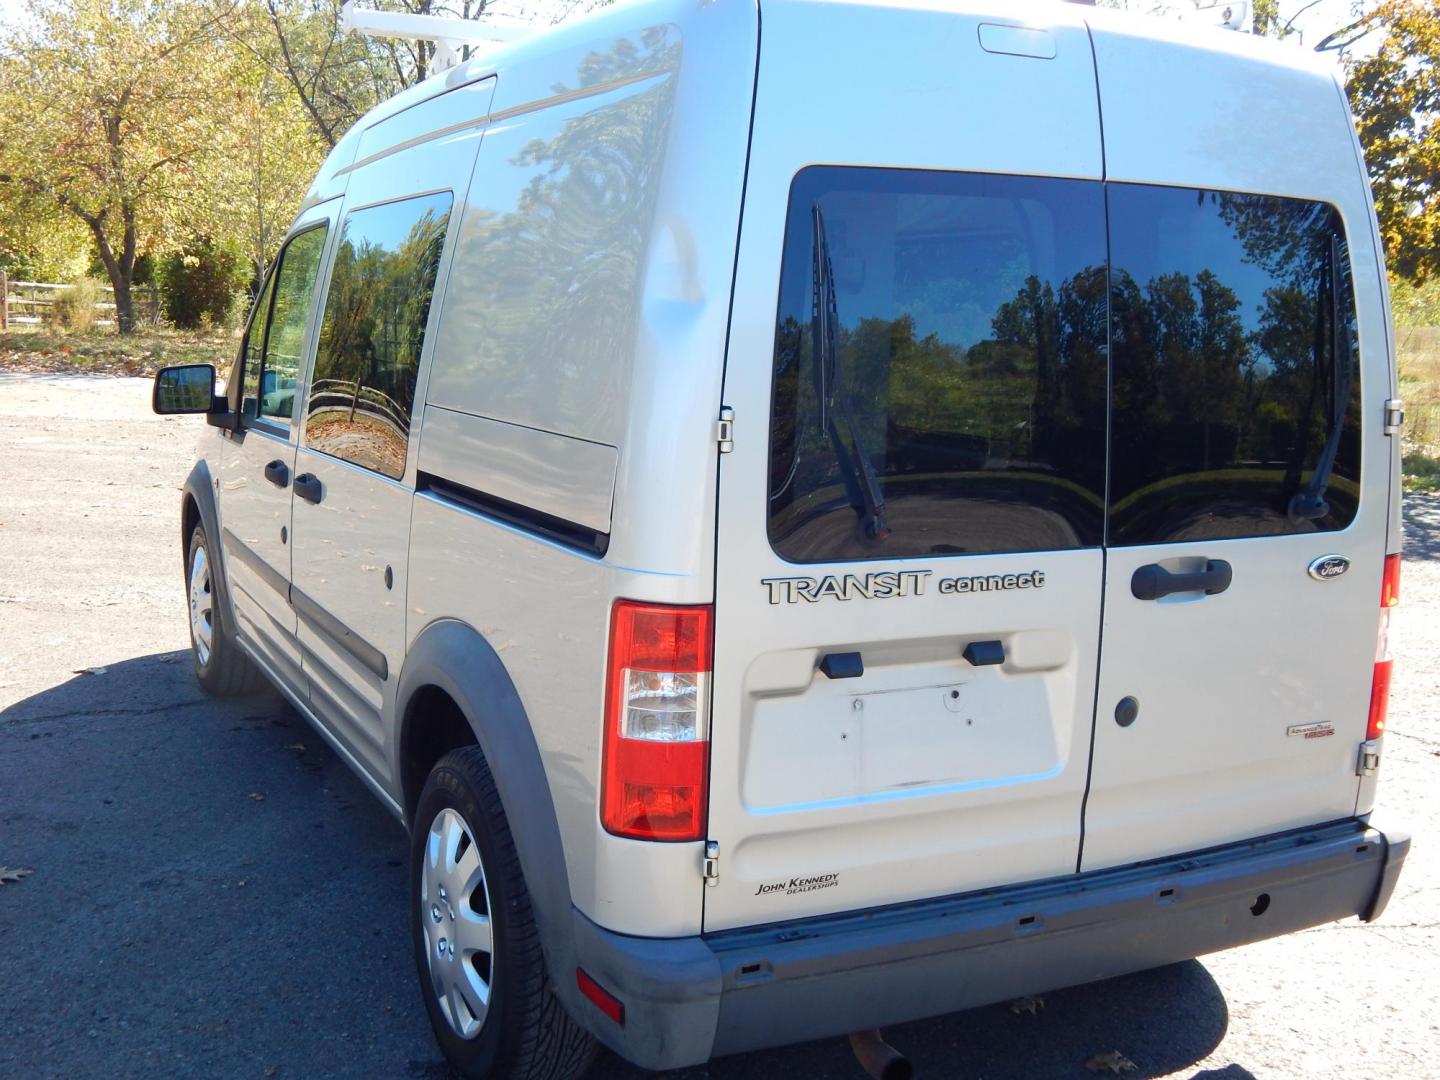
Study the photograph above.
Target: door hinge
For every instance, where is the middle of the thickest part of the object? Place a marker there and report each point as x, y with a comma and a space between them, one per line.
712, 862
725, 429
1369, 762
1394, 416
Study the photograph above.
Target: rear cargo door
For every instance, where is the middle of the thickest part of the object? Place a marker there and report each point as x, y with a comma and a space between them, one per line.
909, 564
1248, 344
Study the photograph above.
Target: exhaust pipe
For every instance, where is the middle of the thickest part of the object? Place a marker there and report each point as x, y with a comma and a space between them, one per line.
879, 1058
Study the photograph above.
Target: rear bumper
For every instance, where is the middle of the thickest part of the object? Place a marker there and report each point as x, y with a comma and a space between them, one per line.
688, 999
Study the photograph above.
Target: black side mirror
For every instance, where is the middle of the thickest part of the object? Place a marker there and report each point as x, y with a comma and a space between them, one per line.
186, 388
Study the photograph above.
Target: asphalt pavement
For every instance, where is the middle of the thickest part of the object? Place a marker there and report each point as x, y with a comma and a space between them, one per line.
213, 894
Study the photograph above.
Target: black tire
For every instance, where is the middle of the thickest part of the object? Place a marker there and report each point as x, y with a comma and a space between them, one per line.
227, 671
526, 1033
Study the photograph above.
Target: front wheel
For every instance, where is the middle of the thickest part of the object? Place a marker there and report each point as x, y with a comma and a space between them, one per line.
477, 950
220, 666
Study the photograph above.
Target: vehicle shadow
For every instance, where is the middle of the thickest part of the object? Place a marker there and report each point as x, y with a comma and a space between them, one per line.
1421, 514
211, 887
226, 867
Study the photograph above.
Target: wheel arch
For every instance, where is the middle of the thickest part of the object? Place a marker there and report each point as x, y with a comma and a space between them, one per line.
197, 507
451, 661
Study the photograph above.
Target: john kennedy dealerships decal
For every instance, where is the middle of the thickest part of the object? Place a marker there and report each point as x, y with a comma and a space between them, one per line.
796, 885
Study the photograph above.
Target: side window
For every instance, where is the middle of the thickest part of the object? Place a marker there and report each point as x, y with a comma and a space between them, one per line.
939, 368
277, 329
363, 390
1235, 366
253, 351
294, 292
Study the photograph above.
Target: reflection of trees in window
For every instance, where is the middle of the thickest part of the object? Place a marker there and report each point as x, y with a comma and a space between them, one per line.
371, 338
990, 438
1224, 389
571, 249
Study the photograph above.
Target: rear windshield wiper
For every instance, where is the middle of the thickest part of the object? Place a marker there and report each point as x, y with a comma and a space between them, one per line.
861, 484
1310, 504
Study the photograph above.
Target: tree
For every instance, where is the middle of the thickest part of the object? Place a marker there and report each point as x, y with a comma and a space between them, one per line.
264, 158
106, 107
1395, 95
338, 77
333, 76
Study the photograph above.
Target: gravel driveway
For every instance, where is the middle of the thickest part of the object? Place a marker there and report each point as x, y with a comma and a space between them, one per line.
215, 895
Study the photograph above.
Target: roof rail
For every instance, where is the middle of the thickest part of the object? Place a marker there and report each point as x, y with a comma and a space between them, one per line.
450, 35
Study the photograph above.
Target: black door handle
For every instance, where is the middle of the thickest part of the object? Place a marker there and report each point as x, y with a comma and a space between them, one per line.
308, 487
277, 473
1154, 581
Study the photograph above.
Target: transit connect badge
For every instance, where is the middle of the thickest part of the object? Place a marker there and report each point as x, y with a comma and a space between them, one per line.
888, 584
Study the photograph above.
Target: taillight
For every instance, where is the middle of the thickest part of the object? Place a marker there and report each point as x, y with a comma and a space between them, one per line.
1380, 681
657, 711
1390, 584
1379, 699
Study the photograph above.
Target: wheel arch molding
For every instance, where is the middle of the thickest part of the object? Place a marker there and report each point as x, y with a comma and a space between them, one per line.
454, 658
198, 492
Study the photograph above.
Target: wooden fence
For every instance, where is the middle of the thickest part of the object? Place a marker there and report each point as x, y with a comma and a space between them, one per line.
26, 303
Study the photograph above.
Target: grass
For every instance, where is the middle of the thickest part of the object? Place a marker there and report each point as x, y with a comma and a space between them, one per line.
1419, 348
104, 352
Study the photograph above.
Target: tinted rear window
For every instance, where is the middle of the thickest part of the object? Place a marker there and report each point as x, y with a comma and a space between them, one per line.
1227, 379
962, 406
940, 370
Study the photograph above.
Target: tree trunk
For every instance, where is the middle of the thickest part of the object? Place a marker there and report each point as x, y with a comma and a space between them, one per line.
124, 306
120, 272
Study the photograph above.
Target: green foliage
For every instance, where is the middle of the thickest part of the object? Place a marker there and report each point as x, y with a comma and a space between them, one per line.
74, 308
1421, 472
199, 285
1415, 305
1395, 94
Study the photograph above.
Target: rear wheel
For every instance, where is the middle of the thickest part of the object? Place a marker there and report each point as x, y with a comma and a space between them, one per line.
220, 666
477, 950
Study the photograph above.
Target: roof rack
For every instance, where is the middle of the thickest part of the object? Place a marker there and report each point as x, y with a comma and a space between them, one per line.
450, 35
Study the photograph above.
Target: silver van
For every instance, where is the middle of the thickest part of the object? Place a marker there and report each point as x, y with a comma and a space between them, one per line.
816, 514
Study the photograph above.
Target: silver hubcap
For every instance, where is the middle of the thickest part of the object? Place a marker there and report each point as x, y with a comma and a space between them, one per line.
455, 912
202, 607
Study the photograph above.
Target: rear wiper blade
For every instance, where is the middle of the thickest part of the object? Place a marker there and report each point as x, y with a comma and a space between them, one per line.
1310, 504
861, 484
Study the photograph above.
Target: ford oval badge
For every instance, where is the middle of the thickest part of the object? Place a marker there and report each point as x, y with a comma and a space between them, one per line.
1329, 566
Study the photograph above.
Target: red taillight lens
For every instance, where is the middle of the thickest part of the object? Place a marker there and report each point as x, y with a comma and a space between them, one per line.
657, 711
1380, 682
1379, 699
1390, 585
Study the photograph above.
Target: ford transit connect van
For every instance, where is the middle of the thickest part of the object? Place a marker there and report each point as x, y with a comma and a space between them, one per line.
821, 514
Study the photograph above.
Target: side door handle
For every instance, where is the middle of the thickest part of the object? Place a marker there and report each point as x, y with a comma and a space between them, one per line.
1153, 581
277, 473
308, 487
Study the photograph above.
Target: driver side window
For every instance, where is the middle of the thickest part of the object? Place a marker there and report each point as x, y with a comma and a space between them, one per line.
277, 332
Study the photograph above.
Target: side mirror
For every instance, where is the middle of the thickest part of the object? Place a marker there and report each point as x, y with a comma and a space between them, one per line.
187, 388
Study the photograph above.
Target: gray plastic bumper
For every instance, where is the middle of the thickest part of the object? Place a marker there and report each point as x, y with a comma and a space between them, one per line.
688, 999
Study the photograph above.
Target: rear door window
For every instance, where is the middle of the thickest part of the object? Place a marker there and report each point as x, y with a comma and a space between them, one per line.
1235, 367
939, 366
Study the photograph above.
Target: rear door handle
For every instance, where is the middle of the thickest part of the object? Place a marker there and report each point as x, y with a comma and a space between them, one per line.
1154, 581
309, 488
277, 473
